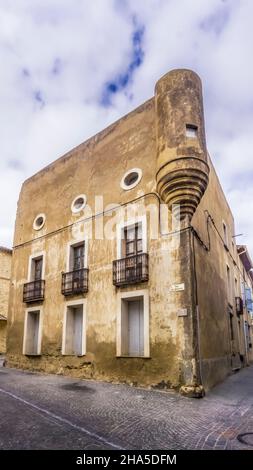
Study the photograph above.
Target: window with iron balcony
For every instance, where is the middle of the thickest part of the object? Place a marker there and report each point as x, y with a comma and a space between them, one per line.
75, 281
34, 290
133, 267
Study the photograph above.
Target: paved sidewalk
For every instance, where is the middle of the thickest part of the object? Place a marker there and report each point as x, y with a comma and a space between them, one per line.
55, 412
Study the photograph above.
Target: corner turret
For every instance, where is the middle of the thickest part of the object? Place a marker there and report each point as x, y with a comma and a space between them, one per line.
182, 169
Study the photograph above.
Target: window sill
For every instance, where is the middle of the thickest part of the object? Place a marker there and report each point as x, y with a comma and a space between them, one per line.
124, 356
32, 354
74, 355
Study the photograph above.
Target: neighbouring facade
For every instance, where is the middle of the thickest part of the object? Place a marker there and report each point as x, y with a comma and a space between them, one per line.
125, 265
5, 275
246, 289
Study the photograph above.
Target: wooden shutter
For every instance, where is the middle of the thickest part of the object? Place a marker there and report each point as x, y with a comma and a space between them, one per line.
135, 328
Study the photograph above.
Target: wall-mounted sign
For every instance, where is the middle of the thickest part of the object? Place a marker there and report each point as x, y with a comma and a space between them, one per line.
182, 312
177, 287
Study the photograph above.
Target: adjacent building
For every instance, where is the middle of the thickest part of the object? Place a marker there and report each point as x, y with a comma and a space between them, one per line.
5, 275
125, 265
246, 289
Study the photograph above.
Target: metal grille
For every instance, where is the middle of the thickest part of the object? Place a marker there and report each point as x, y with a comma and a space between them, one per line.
34, 291
75, 282
130, 270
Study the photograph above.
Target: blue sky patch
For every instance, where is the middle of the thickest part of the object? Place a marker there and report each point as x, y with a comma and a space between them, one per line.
216, 22
38, 97
15, 164
26, 72
57, 66
122, 80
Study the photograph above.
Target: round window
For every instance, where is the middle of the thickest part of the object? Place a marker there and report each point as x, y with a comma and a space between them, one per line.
39, 221
79, 203
131, 179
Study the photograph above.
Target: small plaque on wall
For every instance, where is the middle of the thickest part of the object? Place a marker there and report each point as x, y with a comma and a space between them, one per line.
182, 312
177, 287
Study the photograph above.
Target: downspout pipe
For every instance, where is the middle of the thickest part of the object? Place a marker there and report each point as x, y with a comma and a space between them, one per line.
196, 388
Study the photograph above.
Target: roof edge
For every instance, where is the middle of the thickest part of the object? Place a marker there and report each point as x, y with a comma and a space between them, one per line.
91, 140
4, 249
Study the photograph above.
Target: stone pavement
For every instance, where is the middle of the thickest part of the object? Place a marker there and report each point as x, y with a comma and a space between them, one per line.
54, 412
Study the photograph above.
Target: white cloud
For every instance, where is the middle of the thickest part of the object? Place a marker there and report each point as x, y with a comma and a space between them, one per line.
64, 51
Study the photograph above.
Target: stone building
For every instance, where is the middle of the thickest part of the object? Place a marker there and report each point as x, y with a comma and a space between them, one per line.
246, 289
125, 266
5, 275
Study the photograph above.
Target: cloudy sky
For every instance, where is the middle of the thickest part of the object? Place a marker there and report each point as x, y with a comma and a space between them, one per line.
71, 67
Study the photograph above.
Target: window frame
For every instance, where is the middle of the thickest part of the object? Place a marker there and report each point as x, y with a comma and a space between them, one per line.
126, 187
74, 303
126, 242
75, 210
35, 227
25, 333
72, 244
133, 295
191, 127
32, 258
225, 233
229, 284
121, 229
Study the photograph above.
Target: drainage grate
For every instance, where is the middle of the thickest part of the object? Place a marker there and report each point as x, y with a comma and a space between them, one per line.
246, 438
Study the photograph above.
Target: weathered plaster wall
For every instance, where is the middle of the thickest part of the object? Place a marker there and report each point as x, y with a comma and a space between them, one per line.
5, 274
96, 168
3, 331
218, 354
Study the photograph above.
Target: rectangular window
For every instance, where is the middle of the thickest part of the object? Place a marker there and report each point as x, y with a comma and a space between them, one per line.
228, 284
247, 329
77, 256
236, 288
132, 246
239, 335
243, 292
36, 268
74, 331
225, 234
132, 237
231, 326
191, 131
132, 242
32, 333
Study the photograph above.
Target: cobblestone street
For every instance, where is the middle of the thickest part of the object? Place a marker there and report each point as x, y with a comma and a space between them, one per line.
55, 412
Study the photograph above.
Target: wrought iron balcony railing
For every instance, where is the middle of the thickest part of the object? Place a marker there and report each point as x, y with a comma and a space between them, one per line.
130, 270
239, 305
75, 282
34, 291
